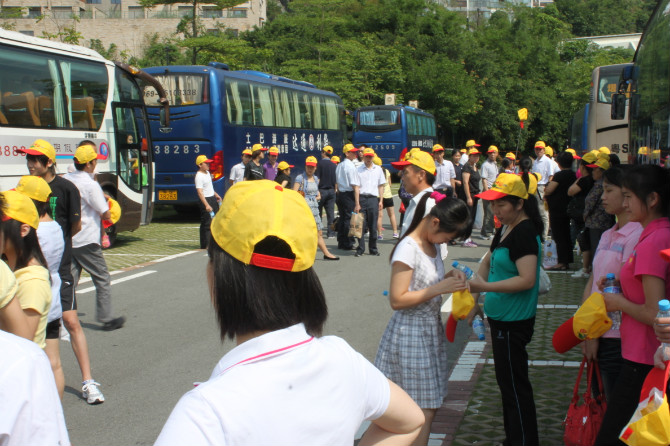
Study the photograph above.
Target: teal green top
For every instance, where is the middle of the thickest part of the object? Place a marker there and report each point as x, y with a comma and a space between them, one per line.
522, 241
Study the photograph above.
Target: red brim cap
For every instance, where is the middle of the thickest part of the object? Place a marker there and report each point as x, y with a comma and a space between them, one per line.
474, 153
491, 195
30, 151
491, 151
400, 165
263, 149
208, 161
450, 329
593, 166
576, 157
101, 157
310, 164
564, 337
369, 154
475, 145
438, 150
665, 255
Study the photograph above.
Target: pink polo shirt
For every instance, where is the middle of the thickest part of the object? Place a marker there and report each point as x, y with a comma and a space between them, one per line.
638, 342
615, 247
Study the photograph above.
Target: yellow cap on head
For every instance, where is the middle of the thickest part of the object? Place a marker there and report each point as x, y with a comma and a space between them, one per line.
471, 143
247, 152
419, 158
21, 208
377, 160
474, 152
349, 148
41, 147
368, 152
202, 159
438, 148
506, 184
311, 161
604, 150
511, 156
492, 148
273, 151
540, 145
34, 187
284, 165
328, 150
549, 151
86, 153
335, 159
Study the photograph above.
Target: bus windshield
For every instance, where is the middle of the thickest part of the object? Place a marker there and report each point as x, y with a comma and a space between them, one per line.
181, 89
607, 84
379, 120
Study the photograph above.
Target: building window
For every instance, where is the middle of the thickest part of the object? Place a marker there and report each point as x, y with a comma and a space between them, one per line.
135, 12
28, 33
237, 14
211, 12
34, 12
183, 11
61, 12
94, 2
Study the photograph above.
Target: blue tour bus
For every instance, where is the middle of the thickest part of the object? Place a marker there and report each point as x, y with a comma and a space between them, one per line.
391, 130
218, 113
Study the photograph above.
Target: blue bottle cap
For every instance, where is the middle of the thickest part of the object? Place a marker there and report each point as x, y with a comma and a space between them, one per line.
385, 292
664, 305
610, 276
454, 264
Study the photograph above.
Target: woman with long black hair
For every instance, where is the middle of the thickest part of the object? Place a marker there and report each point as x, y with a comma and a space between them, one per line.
510, 276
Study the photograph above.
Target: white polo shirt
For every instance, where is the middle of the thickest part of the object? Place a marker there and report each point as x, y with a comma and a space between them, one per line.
444, 172
489, 172
237, 173
282, 388
203, 180
370, 179
545, 167
346, 175
50, 237
31, 411
93, 205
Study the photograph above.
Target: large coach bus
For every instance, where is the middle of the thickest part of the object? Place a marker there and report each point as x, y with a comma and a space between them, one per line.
218, 113
592, 126
392, 129
65, 94
647, 83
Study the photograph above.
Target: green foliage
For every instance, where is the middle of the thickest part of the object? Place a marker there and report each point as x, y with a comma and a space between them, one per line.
111, 53
603, 17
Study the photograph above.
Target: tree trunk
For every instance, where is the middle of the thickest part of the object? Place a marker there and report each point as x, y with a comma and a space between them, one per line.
195, 31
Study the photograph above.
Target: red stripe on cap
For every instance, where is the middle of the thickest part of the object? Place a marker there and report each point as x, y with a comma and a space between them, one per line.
271, 262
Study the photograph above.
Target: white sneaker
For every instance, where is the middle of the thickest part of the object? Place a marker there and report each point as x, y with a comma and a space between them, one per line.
91, 393
580, 274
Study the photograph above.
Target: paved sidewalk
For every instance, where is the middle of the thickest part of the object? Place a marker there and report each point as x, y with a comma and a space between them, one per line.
473, 413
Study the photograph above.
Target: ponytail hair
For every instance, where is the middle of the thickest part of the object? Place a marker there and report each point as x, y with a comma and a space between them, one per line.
452, 213
645, 179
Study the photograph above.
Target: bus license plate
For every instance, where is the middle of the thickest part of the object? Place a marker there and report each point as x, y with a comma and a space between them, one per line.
170, 195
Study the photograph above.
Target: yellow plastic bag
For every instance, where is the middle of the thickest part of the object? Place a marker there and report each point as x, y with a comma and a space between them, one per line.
650, 424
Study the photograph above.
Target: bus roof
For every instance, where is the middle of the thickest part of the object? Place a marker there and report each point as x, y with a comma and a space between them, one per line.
386, 107
18, 38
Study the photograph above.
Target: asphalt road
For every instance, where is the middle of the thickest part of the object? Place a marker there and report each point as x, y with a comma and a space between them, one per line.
171, 340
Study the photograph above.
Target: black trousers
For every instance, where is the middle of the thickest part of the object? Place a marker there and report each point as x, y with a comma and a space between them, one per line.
624, 401
473, 213
370, 209
206, 220
345, 205
559, 221
328, 202
509, 340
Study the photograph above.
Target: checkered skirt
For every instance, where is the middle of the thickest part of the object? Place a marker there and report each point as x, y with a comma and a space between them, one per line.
413, 349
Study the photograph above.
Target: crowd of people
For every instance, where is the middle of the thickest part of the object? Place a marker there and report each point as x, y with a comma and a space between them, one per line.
269, 300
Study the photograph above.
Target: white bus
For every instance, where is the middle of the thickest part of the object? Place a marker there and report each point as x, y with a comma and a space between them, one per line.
65, 94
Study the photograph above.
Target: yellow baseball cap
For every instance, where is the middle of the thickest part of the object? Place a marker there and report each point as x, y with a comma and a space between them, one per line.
464, 150
492, 149
273, 151
20, 207
247, 152
549, 151
590, 157
258, 147
41, 147
471, 143
533, 178
349, 148
239, 227
474, 152
86, 153
603, 163
540, 145
368, 152
115, 211
328, 150
506, 184
510, 156
335, 159
311, 161
589, 322
438, 148
604, 150
377, 160
202, 159
419, 158
34, 187
573, 153
284, 165
644, 150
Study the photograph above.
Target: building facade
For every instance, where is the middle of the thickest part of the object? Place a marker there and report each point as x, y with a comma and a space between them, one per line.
125, 23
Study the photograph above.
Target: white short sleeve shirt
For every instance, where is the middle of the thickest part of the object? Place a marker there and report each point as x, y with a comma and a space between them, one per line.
237, 173
281, 388
346, 176
93, 205
370, 179
443, 174
545, 167
204, 181
50, 236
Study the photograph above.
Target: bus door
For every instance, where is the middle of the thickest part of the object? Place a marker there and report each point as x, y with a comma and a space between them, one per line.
134, 160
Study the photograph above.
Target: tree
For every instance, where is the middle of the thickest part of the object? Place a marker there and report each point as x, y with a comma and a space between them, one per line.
193, 18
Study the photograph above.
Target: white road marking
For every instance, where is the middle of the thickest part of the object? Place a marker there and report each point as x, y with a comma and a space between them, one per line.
175, 256
467, 362
136, 255
122, 279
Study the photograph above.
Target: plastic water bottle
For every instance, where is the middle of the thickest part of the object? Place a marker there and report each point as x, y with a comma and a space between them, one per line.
478, 327
211, 214
469, 273
664, 311
611, 285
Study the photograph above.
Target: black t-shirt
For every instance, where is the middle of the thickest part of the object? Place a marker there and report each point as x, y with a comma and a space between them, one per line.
64, 204
325, 170
522, 241
559, 199
475, 179
281, 177
585, 184
253, 172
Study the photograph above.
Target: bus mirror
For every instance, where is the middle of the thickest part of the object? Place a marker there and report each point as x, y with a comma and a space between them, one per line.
164, 121
627, 73
618, 106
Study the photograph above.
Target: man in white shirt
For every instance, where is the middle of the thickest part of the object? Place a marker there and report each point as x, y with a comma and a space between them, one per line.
86, 250
544, 166
368, 196
237, 172
445, 174
489, 173
208, 200
347, 182
418, 177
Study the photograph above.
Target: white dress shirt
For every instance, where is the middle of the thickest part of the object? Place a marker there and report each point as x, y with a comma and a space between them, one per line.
346, 176
544, 167
370, 179
93, 205
444, 173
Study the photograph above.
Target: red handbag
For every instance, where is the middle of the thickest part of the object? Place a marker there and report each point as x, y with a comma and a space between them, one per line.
583, 421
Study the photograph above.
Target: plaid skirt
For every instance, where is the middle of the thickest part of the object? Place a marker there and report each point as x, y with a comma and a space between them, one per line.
413, 354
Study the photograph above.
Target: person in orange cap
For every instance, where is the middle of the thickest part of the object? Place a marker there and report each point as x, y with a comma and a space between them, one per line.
254, 168
471, 180
346, 177
544, 166
325, 171
510, 276
489, 173
237, 172
371, 181
270, 166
